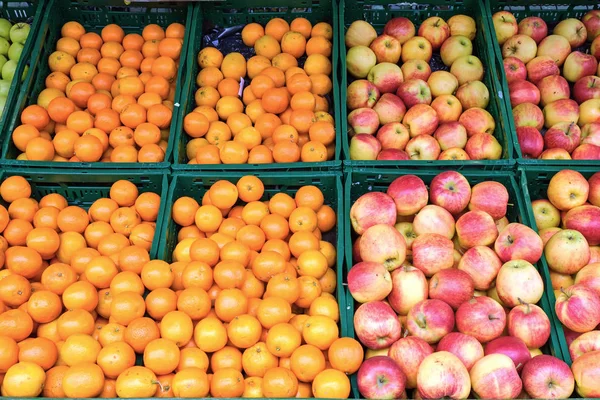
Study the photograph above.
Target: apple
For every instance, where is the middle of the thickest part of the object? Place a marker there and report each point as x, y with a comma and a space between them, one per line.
589, 276
376, 325
519, 281
552, 88
448, 108
476, 228
491, 197
570, 335
414, 91
512, 347
547, 377
361, 94
369, 281
488, 372
3, 61
541, 67
451, 134
522, 47
482, 264
19, 32
380, 378
4, 87
591, 21
408, 353
595, 48
390, 109
416, 48
455, 47
370, 353
421, 119
483, 146
386, 76
442, 83
435, 30
586, 220
9, 70
578, 308
590, 133
383, 244
594, 184
528, 114
409, 194
363, 120
467, 68
386, 48
578, 64
561, 280
519, 242
501, 223
451, 286
529, 323
473, 94
450, 190
14, 51
514, 69
416, 69
407, 231
594, 254
393, 154
360, 33
477, 120
5, 26
555, 46
587, 342
567, 251
443, 375
530, 141
434, 219
546, 215
372, 208
564, 135
454, 154
4, 46
589, 112
505, 25
393, 135
400, 28
432, 253
561, 111
430, 320
586, 88
573, 30
360, 60
534, 27
586, 371
462, 25
568, 189
586, 152
523, 92
481, 317
409, 287
465, 347
355, 251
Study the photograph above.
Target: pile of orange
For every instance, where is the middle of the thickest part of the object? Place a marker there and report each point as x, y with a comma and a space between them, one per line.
109, 97
266, 109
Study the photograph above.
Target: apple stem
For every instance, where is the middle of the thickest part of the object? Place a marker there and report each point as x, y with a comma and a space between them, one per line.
162, 389
562, 290
519, 365
526, 304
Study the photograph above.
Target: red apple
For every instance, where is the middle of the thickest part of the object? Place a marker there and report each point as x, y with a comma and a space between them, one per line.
570, 335
594, 187
514, 69
530, 141
586, 88
522, 47
483, 146
369, 281
555, 46
409, 287
421, 120
547, 377
590, 133
393, 154
371, 209
383, 244
408, 353
523, 92
573, 30
586, 371
430, 320
587, 342
512, 347
361, 93
586, 220
547, 233
476, 228
450, 190
355, 251
578, 64
363, 120
409, 194
564, 135
450, 135
447, 107
386, 76
481, 317
488, 372
393, 135
465, 347
389, 108
541, 67
477, 120
380, 378
594, 254
567, 251
434, 219
595, 48
590, 111
528, 114
552, 88
591, 21
586, 152
432, 253
400, 28
519, 242
443, 375
482, 264
491, 197
589, 276
568, 189
435, 30
529, 323
452, 286
535, 27
386, 48
414, 91
364, 147
376, 325
423, 147
560, 111
416, 69
578, 308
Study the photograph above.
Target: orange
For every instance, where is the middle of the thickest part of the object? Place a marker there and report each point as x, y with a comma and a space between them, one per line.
286, 152
111, 49
282, 204
59, 61
251, 33
153, 32
310, 289
303, 101
223, 194
252, 236
156, 274
165, 67
23, 134
126, 307
228, 105
274, 310
276, 74
253, 387
193, 358
320, 331
283, 286
158, 84
175, 30
280, 382
23, 261
284, 61
279, 246
194, 301
100, 272
80, 295
72, 29
79, 348
230, 303
210, 57
208, 218
23, 209
322, 29
306, 362
275, 100
124, 193
228, 87
205, 250
210, 335
313, 152
293, 43
15, 233
16, 324
23, 379
257, 360
83, 380
191, 382
89, 55
53, 383
177, 326
325, 306
227, 357
331, 382
301, 25
112, 33
309, 196
244, 331
159, 302
39, 149
115, 358
256, 65
72, 219
36, 116
43, 306
159, 115
136, 382
267, 46
277, 27
183, 211
303, 219
133, 115
170, 47
140, 332
161, 356
346, 355
227, 382
15, 290
250, 188
229, 274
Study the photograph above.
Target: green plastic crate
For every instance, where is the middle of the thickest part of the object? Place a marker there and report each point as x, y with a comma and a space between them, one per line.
551, 11
231, 13
377, 13
82, 188
93, 15
363, 180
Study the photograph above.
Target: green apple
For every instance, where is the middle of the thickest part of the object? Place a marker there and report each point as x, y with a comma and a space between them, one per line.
2, 103
19, 32
3, 61
8, 70
4, 88
5, 26
14, 51
25, 71
4, 46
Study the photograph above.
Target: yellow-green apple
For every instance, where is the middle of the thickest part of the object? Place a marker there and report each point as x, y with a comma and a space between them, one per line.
586, 151
495, 377
491, 197
552, 88
423, 147
364, 147
462, 25
564, 135
534, 27
361, 93
416, 48
483, 146
510, 346
430, 320
590, 133
432, 253
547, 377
421, 119
586, 220
547, 233
591, 20
535, 352
528, 114
573, 30
473, 94
393, 135
523, 92
454, 47
561, 280
481, 317
363, 120
450, 190
477, 120
455, 154
519, 280
568, 189
522, 47
586, 370
519, 242
578, 64
409, 287
443, 375
589, 112
413, 92
555, 154
380, 378
501, 223
594, 188
476, 228
370, 353
505, 26
465, 347
409, 194
541, 67
451, 286
586, 88
407, 231
376, 325
442, 83
545, 214
493, 294
531, 141
371, 209
400, 28
416, 69
360, 33
555, 46
594, 254
561, 111
359, 61
595, 48
393, 154
514, 69
467, 68
587, 342
435, 30
408, 353
450, 135
386, 48
389, 108
386, 76
383, 244
447, 107
434, 219
578, 308
369, 281
529, 323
